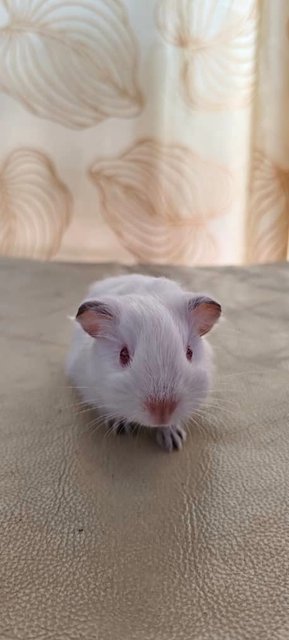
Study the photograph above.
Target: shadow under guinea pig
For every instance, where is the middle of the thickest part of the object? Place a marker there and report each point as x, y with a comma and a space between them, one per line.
134, 459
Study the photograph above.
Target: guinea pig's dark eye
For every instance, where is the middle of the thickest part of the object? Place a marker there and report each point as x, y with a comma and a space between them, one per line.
189, 354
124, 357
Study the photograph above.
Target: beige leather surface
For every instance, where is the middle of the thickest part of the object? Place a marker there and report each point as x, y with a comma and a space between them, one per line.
108, 538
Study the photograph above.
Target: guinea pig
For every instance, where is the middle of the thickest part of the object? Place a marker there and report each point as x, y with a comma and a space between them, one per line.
139, 354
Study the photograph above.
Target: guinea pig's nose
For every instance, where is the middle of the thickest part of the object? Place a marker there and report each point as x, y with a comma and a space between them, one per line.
161, 410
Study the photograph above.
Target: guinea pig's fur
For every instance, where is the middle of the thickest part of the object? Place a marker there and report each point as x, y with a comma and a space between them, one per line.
138, 348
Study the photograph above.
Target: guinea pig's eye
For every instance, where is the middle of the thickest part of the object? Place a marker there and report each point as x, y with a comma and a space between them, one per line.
124, 357
189, 354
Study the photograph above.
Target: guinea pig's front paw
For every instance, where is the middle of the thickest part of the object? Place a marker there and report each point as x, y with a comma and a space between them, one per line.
170, 438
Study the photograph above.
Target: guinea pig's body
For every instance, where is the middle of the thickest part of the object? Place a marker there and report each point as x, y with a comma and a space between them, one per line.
138, 354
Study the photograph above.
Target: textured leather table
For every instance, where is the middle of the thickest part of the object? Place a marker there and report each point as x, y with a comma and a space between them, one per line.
106, 538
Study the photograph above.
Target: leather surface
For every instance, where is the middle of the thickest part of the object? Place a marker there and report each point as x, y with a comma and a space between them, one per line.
110, 538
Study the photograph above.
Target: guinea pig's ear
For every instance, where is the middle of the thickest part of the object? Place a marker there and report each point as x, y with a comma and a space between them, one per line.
204, 313
96, 317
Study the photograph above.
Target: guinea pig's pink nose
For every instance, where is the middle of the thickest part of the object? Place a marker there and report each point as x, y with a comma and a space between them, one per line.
161, 410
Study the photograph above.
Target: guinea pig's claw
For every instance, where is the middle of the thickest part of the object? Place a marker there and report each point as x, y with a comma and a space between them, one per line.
170, 438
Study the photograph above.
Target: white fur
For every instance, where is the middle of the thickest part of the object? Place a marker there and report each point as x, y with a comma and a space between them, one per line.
154, 323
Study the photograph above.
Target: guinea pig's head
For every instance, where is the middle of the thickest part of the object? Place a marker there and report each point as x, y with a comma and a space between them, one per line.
151, 363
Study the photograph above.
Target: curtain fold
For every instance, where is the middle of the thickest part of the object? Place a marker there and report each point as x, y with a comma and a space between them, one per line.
268, 203
154, 131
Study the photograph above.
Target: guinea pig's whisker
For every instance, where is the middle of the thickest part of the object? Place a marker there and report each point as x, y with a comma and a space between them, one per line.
197, 424
222, 392
221, 409
86, 407
74, 406
75, 403
220, 404
100, 422
220, 400
84, 411
91, 428
110, 431
96, 419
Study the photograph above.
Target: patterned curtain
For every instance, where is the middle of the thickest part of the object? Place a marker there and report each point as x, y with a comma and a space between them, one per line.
145, 130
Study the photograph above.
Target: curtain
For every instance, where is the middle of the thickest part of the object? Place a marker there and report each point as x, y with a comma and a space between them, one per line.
145, 131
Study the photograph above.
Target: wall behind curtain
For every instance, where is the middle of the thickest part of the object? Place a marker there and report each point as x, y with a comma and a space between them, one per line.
145, 130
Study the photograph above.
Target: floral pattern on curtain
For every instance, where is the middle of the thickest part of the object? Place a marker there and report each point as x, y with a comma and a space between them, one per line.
145, 132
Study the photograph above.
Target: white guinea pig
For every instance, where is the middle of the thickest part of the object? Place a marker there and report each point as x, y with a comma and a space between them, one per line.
138, 354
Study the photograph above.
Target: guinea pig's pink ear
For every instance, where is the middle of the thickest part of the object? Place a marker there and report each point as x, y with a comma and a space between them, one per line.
204, 313
95, 317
